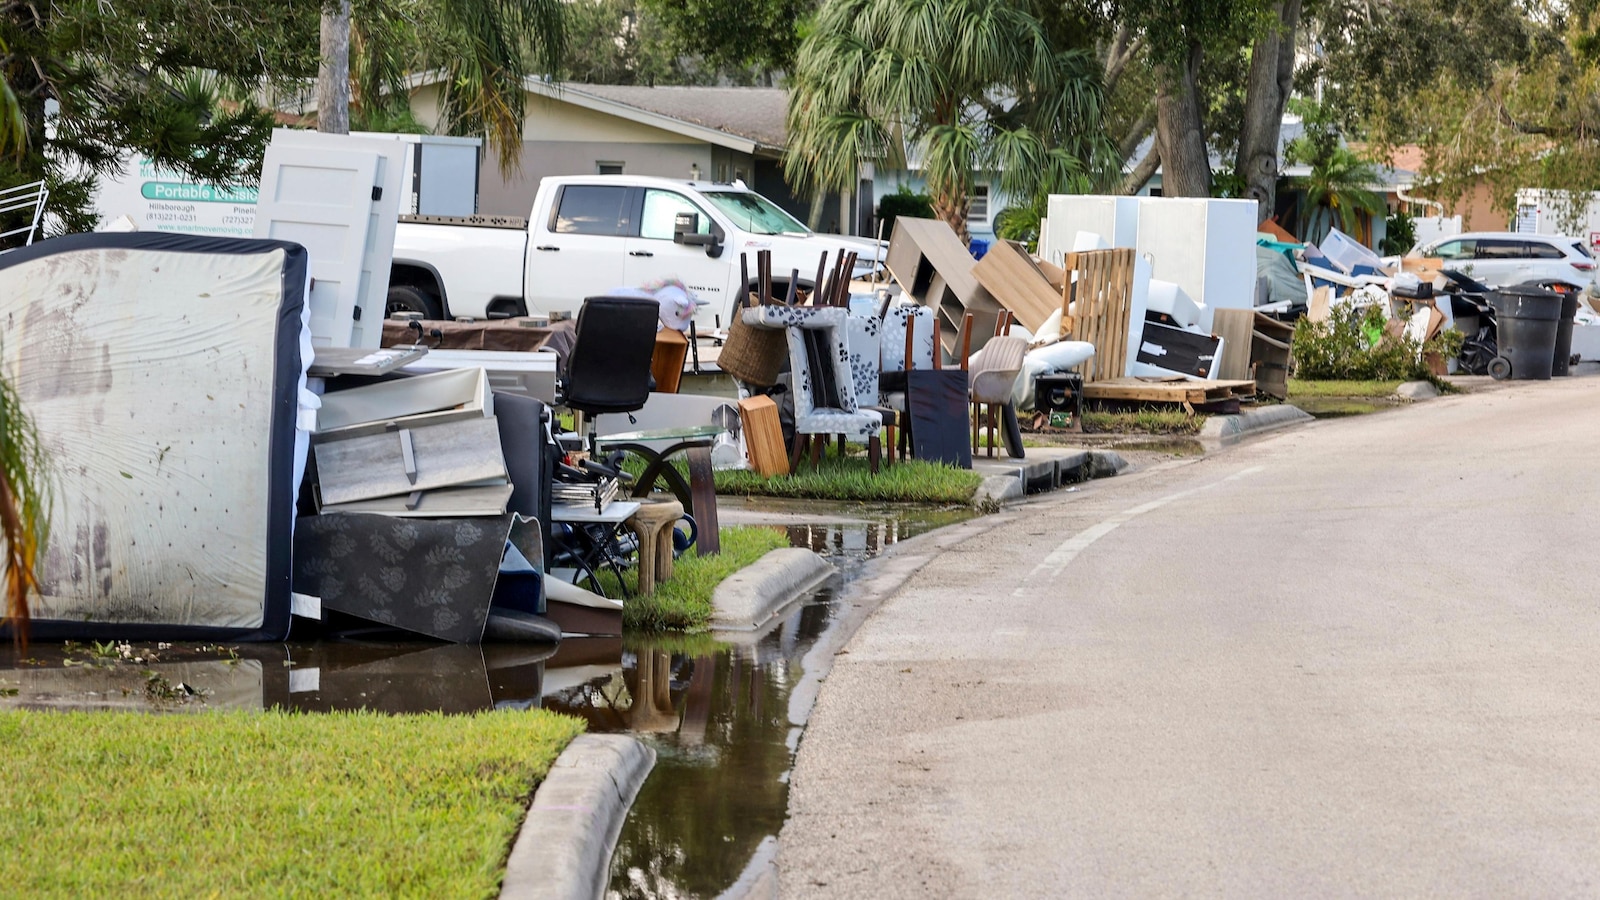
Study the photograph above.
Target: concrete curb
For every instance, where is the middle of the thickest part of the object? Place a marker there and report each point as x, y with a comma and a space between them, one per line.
750, 597
563, 851
1222, 431
1416, 390
1037, 476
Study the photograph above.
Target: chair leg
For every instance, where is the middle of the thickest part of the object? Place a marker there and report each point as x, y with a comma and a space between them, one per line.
888, 455
992, 426
797, 452
972, 410
841, 446
818, 441
874, 451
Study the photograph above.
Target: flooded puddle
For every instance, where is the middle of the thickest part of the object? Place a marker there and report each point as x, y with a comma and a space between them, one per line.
717, 713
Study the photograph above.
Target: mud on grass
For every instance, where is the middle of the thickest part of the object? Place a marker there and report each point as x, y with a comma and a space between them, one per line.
268, 804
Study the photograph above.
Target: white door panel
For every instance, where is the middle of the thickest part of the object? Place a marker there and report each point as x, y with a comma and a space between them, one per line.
338, 197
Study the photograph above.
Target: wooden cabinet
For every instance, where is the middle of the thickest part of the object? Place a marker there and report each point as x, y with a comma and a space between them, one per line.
932, 267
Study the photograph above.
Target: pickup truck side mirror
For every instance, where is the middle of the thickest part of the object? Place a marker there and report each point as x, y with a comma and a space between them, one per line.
686, 231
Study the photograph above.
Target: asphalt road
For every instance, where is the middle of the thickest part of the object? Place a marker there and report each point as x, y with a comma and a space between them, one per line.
1359, 658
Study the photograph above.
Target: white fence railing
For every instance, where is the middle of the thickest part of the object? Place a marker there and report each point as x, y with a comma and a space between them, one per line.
24, 198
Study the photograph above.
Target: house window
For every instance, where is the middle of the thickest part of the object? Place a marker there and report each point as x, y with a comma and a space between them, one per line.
978, 210
609, 168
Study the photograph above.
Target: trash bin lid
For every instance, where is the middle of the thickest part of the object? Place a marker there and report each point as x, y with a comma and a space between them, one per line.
1519, 302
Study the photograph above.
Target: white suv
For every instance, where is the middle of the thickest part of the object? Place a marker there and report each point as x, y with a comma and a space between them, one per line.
1499, 258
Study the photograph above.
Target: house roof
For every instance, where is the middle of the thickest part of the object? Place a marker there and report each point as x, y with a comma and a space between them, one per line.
755, 113
744, 119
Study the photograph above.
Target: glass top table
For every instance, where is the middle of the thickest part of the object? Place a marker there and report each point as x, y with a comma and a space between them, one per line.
661, 434
699, 494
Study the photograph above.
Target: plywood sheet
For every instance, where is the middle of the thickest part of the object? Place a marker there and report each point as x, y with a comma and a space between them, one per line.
1236, 328
1012, 277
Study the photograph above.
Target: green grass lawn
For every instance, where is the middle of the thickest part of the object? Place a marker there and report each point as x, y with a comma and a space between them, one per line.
1142, 421
850, 478
683, 603
267, 804
846, 478
1299, 387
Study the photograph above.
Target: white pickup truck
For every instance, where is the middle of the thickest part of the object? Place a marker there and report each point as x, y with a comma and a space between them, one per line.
589, 234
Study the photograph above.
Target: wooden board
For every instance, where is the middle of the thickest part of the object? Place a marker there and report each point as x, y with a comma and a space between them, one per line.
1320, 306
1278, 233
1017, 282
666, 362
1139, 390
1235, 327
1096, 306
763, 436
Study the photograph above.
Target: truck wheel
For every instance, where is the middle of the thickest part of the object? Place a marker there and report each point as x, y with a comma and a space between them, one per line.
405, 298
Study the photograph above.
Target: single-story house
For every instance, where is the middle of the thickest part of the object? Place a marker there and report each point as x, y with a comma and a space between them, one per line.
708, 133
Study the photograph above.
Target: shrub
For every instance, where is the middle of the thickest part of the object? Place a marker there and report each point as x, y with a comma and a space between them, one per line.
1356, 346
1399, 234
903, 203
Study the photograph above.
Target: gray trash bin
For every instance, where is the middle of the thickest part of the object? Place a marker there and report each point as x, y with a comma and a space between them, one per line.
1526, 319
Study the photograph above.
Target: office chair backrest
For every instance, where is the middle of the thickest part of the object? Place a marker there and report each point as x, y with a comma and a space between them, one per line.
530, 457
608, 370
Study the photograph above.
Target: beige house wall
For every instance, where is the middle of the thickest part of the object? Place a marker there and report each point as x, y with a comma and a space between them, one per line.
564, 139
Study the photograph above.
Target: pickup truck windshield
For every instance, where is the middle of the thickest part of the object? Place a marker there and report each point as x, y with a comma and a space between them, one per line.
755, 213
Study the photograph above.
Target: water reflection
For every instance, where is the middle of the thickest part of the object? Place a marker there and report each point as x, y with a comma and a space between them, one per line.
849, 534
720, 723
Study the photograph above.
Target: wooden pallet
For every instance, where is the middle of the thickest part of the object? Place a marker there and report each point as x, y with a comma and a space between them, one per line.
1096, 307
1192, 393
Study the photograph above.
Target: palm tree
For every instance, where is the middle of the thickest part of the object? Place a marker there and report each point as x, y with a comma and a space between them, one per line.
484, 48
961, 85
25, 500
1338, 189
1337, 192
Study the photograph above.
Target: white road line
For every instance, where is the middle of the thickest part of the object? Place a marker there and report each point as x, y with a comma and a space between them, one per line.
1063, 555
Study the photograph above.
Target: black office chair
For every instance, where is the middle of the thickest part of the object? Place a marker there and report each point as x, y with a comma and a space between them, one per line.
608, 369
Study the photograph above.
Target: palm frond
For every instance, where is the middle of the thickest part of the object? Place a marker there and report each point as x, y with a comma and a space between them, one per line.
13, 123
972, 83
484, 86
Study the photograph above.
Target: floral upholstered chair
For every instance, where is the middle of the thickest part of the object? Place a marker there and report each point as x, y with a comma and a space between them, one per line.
822, 381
